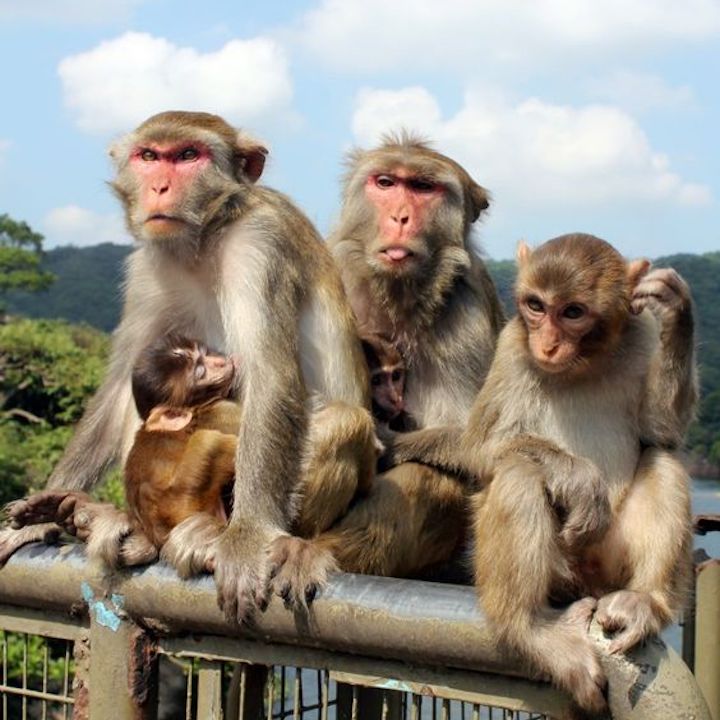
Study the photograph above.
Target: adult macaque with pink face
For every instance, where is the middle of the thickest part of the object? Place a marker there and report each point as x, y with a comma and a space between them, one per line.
238, 267
403, 245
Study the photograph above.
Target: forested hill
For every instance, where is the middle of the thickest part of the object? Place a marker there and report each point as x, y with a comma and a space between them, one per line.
87, 289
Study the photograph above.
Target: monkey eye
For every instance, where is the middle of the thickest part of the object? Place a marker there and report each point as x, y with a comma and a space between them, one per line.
573, 311
376, 380
422, 185
535, 304
385, 181
188, 154
397, 375
148, 155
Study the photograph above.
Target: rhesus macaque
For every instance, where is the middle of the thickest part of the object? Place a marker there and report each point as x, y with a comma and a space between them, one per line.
387, 382
571, 439
240, 268
403, 245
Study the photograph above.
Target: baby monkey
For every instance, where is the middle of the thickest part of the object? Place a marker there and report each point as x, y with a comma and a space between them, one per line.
182, 462
387, 381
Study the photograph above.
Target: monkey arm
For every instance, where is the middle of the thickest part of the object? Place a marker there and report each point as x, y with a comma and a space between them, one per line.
672, 387
576, 488
110, 420
438, 447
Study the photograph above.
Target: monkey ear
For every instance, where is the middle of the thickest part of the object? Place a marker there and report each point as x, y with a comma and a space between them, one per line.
479, 200
523, 252
636, 269
163, 418
252, 154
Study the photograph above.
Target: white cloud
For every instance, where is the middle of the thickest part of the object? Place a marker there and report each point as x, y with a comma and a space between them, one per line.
533, 153
73, 225
114, 86
641, 92
465, 35
66, 11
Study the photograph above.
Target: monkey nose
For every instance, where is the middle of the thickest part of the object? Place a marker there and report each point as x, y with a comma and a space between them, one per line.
401, 219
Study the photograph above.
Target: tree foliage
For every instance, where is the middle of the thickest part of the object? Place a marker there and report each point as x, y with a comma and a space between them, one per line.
48, 370
20, 257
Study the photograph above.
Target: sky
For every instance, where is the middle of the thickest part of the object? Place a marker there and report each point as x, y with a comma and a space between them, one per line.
577, 115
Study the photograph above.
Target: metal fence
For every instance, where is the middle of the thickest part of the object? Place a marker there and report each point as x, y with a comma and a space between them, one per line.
145, 645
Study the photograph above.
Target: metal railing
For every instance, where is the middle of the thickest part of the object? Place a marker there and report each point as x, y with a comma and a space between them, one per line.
371, 648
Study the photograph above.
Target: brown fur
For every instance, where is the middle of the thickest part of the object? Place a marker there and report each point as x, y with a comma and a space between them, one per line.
572, 507
442, 312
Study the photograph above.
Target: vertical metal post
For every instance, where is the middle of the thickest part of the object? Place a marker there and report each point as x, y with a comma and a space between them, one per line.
707, 634
210, 691
123, 671
246, 696
372, 703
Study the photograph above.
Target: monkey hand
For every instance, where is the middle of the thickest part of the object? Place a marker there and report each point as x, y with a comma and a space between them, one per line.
242, 569
298, 569
666, 295
631, 615
578, 492
47, 506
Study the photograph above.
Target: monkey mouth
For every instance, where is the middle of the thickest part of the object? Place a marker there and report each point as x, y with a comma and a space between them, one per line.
396, 255
160, 217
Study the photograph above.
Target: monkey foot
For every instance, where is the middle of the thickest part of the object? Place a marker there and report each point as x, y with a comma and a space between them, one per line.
298, 569
12, 539
629, 614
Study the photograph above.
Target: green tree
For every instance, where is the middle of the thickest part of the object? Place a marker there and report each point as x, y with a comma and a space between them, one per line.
48, 371
20, 257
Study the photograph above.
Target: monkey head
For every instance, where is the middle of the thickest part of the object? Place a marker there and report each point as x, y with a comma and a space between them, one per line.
176, 374
177, 170
387, 377
419, 202
573, 294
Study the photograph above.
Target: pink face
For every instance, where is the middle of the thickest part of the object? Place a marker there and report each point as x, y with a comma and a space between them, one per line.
555, 331
165, 172
404, 203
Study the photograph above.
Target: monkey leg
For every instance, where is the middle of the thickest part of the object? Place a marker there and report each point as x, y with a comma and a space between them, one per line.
413, 517
518, 562
652, 541
340, 459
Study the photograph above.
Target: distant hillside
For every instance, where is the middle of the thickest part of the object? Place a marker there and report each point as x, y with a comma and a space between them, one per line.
88, 280
87, 288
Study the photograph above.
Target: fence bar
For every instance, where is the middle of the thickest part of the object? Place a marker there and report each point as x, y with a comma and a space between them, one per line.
707, 633
402, 620
123, 681
209, 705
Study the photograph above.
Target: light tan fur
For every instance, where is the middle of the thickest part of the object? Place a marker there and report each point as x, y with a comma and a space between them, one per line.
190, 279
443, 314
580, 498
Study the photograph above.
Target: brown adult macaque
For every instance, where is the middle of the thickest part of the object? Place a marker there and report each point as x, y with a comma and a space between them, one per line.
571, 439
404, 248
239, 267
387, 382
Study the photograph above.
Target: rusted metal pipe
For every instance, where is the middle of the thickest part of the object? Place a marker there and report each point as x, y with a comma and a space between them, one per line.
423, 623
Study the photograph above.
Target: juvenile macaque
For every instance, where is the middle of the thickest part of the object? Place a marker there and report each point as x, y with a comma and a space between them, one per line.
404, 248
571, 439
387, 382
238, 267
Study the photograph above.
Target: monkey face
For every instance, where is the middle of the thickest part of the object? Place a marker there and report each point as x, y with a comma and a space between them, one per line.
388, 385
404, 205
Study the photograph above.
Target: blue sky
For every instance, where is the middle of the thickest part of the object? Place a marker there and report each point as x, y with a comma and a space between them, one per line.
576, 114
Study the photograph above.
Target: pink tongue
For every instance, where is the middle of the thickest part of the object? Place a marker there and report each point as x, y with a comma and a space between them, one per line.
397, 253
